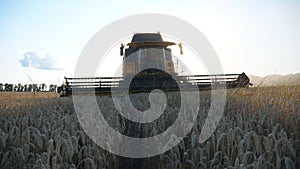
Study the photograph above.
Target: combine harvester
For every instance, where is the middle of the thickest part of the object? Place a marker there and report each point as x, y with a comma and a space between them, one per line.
148, 65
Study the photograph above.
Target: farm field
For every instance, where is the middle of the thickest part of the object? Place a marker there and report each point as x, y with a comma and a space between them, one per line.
15, 99
260, 128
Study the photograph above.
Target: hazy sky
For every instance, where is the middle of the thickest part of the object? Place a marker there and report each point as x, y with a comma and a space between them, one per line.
42, 40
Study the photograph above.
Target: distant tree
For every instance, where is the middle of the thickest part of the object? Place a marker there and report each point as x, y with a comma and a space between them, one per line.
15, 88
19, 87
55, 87
6, 87
25, 88
35, 87
30, 88
52, 88
9, 88
1, 87
42, 87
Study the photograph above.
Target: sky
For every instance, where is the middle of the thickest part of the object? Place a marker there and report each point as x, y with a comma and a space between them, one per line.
40, 41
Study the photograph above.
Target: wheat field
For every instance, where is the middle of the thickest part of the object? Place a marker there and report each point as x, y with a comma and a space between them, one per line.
260, 128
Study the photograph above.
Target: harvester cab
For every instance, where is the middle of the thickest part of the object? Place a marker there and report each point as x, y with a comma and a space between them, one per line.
147, 50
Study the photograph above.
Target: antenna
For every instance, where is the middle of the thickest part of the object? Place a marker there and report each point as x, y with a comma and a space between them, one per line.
30, 79
38, 97
34, 86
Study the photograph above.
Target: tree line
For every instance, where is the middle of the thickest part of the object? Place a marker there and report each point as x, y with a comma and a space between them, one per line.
27, 87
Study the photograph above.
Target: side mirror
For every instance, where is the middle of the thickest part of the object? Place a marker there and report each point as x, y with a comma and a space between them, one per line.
180, 48
122, 50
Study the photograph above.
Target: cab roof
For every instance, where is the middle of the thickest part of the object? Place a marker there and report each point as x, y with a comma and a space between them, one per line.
147, 37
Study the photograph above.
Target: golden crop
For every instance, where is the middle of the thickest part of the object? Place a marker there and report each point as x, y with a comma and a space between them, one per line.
260, 129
